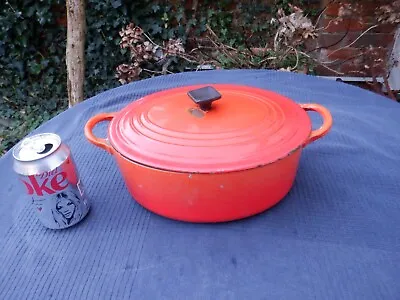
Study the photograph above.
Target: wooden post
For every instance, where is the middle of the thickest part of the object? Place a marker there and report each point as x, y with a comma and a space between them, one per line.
75, 50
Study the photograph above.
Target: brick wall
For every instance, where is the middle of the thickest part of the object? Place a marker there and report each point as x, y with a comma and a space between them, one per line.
333, 41
351, 60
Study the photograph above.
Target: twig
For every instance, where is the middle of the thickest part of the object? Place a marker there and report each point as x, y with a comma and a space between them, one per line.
330, 62
247, 44
324, 28
282, 57
103, 35
225, 52
325, 66
334, 62
194, 49
208, 55
323, 10
41, 54
268, 58
375, 84
10, 102
335, 43
297, 59
265, 60
150, 40
389, 89
182, 55
12, 8
156, 72
276, 40
353, 42
216, 36
166, 65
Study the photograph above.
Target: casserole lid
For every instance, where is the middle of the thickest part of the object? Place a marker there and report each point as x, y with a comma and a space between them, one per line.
209, 128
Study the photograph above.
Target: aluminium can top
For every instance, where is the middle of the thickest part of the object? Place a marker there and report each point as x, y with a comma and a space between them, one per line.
36, 147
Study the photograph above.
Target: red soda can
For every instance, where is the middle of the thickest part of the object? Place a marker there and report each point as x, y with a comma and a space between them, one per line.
47, 171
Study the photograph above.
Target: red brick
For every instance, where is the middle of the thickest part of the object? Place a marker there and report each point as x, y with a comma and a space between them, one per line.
374, 39
385, 28
344, 53
358, 69
342, 26
363, 8
377, 53
311, 44
331, 40
368, 8
353, 69
322, 71
332, 9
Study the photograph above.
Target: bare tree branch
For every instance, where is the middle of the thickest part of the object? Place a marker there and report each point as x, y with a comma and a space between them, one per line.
353, 42
75, 50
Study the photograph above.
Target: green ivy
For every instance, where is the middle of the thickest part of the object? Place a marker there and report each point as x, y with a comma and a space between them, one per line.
33, 39
32, 66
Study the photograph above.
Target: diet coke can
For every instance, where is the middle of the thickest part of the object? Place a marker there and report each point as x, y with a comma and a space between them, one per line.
50, 179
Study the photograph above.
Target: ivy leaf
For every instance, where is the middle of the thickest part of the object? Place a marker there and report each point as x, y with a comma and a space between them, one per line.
171, 33
31, 10
49, 80
18, 66
34, 68
181, 31
155, 8
116, 23
155, 28
180, 14
23, 40
116, 3
44, 63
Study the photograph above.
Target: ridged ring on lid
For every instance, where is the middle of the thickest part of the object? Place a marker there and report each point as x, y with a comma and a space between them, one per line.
247, 127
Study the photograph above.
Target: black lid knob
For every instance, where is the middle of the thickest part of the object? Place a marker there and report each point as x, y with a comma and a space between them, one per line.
204, 96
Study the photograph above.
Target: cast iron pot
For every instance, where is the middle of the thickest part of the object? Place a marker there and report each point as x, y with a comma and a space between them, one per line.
209, 153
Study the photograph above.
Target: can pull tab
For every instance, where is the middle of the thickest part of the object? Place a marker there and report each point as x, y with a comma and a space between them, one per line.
204, 97
45, 149
38, 147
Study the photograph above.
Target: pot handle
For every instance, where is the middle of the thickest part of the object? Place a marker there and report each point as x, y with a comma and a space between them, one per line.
326, 125
93, 121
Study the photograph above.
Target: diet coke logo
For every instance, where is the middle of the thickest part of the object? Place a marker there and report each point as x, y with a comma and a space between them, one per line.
47, 182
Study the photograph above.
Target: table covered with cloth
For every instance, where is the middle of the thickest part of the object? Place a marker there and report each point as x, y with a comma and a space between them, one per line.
336, 235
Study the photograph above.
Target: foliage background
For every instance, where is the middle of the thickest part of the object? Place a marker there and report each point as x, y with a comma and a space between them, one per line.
33, 40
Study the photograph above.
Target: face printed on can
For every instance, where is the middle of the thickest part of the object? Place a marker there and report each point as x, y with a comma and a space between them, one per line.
65, 206
68, 208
